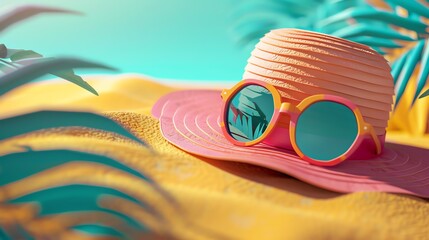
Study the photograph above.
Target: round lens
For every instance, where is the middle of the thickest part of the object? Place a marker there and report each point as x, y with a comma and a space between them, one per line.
326, 130
249, 113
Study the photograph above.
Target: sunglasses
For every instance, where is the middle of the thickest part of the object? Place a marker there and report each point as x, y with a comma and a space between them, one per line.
323, 129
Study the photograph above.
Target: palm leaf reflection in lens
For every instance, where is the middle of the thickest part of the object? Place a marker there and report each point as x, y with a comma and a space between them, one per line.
249, 113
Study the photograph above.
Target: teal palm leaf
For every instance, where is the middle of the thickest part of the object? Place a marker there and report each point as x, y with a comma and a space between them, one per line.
34, 121
370, 32
371, 14
75, 198
382, 29
91, 208
407, 69
423, 74
411, 6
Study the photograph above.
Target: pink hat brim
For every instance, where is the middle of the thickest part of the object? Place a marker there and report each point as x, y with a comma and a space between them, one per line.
190, 121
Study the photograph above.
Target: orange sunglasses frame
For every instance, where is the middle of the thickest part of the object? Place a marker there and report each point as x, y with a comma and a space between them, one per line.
294, 112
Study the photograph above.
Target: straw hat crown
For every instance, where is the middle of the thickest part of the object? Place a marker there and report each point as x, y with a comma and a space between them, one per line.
301, 63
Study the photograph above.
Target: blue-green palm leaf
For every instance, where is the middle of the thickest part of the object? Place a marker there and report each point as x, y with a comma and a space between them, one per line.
34, 121
361, 22
359, 30
368, 13
376, 42
423, 74
412, 6
407, 69
74, 197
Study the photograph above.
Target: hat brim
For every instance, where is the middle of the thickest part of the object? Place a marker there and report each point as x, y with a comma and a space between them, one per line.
190, 120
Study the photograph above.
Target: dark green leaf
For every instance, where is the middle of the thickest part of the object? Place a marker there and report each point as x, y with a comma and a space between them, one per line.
3, 51
24, 54
408, 69
35, 121
24, 12
11, 51
425, 94
68, 75
27, 73
72, 77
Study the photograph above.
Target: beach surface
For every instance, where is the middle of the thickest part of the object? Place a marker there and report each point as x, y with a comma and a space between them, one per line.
218, 200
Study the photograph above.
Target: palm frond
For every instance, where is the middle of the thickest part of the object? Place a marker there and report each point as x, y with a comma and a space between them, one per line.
27, 11
376, 42
412, 6
16, 55
28, 57
405, 73
21, 164
85, 202
368, 31
75, 199
27, 73
374, 15
3, 51
425, 94
398, 65
23, 54
423, 73
21, 124
382, 29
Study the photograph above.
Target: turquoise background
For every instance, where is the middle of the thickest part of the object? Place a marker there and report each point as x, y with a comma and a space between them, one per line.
169, 39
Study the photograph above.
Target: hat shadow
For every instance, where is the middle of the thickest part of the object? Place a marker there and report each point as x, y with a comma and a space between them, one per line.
402, 166
402, 172
270, 178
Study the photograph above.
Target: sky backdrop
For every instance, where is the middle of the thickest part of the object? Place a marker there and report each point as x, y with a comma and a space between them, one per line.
169, 39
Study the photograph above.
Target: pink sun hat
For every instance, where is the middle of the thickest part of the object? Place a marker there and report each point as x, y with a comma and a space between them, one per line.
300, 64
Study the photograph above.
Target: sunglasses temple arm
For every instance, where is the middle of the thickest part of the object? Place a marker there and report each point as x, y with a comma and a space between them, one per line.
374, 138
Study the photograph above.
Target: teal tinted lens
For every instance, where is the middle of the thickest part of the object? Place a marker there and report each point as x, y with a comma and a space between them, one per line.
249, 113
326, 130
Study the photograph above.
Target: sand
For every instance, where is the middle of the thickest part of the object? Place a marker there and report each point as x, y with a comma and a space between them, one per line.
218, 200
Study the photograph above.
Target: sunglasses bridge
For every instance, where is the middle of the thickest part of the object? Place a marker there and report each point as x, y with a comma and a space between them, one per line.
288, 108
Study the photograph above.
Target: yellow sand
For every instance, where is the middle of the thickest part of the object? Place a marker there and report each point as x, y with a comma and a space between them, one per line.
218, 200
